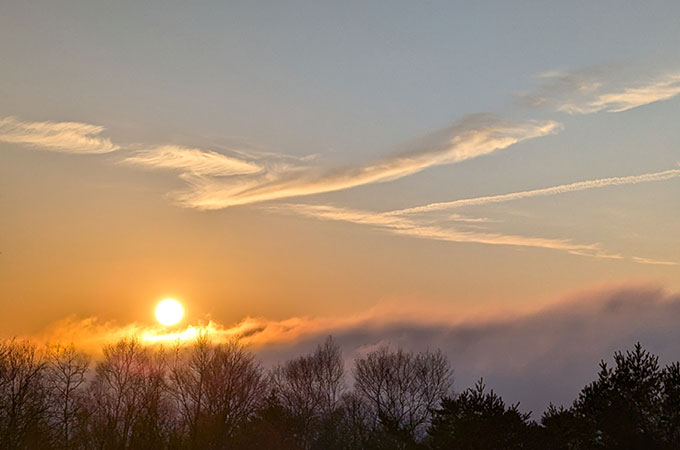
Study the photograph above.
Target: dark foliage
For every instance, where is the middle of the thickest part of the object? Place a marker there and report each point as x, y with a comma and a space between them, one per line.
476, 419
209, 396
633, 405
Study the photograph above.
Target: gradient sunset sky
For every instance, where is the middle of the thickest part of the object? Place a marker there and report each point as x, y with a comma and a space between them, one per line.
334, 160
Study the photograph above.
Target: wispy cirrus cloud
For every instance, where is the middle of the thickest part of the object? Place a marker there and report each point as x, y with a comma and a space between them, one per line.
191, 160
413, 221
469, 138
428, 230
65, 137
590, 91
657, 262
552, 190
217, 181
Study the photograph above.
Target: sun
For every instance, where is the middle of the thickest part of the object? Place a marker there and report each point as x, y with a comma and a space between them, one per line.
169, 312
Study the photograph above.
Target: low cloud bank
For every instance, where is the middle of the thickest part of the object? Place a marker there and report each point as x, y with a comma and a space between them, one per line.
536, 358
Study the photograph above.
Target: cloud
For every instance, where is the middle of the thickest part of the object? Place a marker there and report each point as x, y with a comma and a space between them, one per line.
553, 190
539, 357
66, 137
658, 262
191, 160
426, 230
402, 222
590, 91
471, 137
90, 334
536, 357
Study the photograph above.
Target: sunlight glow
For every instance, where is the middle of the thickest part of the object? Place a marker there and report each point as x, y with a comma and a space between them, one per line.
169, 312
190, 333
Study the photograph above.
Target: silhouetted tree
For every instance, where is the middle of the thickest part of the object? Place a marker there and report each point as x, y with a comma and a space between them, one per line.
128, 403
479, 420
353, 423
272, 426
670, 408
622, 408
402, 389
309, 388
23, 397
561, 429
65, 380
632, 405
215, 397
217, 389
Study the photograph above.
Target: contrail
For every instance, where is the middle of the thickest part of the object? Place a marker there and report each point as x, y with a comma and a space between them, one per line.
553, 190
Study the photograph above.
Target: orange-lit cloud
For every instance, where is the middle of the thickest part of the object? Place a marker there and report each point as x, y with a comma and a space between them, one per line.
427, 230
90, 334
191, 160
471, 137
658, 262
532, 355
66, 137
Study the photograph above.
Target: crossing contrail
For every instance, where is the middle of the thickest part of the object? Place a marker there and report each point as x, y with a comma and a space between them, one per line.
553, 190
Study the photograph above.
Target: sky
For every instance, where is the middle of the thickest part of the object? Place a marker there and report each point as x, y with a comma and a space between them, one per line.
426, 168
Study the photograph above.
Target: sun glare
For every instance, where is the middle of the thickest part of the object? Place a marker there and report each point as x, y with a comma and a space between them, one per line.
169, 312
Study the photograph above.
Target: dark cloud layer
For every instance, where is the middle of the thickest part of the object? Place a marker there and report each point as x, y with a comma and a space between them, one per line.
547, 356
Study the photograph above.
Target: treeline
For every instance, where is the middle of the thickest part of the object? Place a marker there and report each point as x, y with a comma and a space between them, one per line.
209, 396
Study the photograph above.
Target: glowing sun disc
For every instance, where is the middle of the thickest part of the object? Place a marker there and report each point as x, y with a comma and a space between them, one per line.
169, 312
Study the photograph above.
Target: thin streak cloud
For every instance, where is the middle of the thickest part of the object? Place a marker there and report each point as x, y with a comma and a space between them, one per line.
587, 92
658, 262
553, 190
191, 160
469, 138
628, 98
424, 230
65, 137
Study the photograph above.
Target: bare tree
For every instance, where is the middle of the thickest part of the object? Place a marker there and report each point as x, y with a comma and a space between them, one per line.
23, 399
127, 395
188, 376
65, 380
217, 388
402, 388
312, 384
310, 387
353, 426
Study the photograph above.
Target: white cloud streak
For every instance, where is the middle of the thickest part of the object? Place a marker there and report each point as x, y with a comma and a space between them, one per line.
628, 98
191, 160
657, 262
65, 137
472, 137
424, 230
399, 222
587, 92
553, 190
